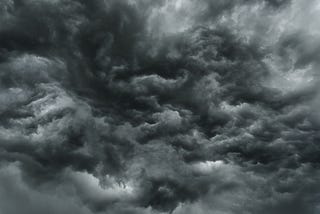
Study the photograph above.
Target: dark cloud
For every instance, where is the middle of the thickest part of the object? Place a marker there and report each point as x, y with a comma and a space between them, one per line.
137, 106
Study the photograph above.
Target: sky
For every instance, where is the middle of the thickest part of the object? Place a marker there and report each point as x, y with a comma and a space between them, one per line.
159, 106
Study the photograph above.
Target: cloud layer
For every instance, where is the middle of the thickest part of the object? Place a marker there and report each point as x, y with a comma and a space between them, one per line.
140, 106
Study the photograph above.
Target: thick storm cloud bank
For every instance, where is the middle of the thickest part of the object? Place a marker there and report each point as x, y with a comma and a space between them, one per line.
167, 106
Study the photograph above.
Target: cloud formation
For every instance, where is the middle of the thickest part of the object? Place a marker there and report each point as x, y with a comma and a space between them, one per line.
171, 106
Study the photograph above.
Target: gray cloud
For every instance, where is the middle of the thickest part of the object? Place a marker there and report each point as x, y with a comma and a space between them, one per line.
159, 107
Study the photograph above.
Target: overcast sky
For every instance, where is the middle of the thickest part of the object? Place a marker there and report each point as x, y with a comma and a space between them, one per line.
159, 106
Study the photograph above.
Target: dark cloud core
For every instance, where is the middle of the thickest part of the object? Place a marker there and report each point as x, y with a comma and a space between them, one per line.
170, 106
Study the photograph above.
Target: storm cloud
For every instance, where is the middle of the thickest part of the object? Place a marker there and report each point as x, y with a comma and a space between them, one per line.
169, 106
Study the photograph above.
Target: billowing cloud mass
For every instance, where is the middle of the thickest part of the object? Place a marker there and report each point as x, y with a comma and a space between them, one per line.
167, 106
